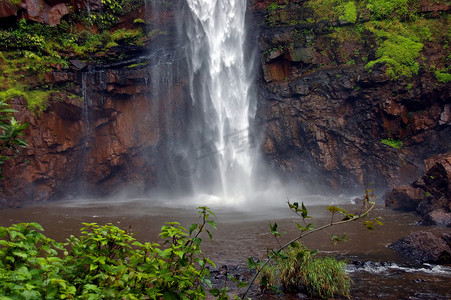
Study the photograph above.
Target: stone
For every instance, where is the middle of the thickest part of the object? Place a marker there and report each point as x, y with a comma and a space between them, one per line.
445, 116
7, 9
78, 64
438, 217
40, 11
423, 247
305, 55
300, 87
404, 197
429, 195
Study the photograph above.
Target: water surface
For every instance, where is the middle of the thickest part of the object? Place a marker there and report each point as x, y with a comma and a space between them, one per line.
380, 273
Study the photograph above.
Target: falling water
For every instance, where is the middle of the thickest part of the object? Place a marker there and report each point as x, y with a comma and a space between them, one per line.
220, 87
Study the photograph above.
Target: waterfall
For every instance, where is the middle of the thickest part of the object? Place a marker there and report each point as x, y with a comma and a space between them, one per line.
220, 91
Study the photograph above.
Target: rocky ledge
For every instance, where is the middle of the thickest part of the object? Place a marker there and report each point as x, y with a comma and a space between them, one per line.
425, 247
429, 196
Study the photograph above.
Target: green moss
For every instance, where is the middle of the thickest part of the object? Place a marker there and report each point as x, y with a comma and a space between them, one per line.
36, 99
442, 77
15, 2
137, 65
324, 9
349, 12
381, 9
139, 21
392, 143
399, 48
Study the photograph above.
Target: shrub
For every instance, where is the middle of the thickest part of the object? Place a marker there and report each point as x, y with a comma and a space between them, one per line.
292, 265
105, 262
298, 269
10, 135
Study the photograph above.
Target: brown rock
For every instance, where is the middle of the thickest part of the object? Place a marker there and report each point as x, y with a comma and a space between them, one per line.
430, 195
40, 11
7, 9
433, 7
445, 116
404, 197
438, 217
305, 55
423, 247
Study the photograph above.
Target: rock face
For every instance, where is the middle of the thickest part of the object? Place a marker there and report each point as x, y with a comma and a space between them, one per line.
325, 115
321, 115
108, 142
40, 11
424, 247
48, 12
430, 195
115, 135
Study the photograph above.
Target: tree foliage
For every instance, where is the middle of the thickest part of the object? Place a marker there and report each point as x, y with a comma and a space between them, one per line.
104, 262
11, 133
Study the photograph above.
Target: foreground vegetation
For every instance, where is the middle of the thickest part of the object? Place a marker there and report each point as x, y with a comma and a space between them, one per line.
297, 269
104, 262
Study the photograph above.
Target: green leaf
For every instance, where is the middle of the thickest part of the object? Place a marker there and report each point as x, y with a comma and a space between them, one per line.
209, 235
214, 292
36, 225
170, 295
197, 241
192, 228
212, 224
369, 225
252, 263
304, 213
20, 254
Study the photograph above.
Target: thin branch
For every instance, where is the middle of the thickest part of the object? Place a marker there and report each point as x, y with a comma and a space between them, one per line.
304, 234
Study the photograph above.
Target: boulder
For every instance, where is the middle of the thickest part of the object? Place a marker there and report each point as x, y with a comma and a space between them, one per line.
424, 247
429, 196
40, 11
438, 217
405, 198
7, 9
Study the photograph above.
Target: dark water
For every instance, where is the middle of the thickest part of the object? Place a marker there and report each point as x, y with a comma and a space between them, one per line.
377, 271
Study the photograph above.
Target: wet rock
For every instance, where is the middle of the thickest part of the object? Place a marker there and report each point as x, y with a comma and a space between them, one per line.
40, 11
7, 9
430, 195
423, 247
300, 87
405, 198
77, 64
305, 55
438, 217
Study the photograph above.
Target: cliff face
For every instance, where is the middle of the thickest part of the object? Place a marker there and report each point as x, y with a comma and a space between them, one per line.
328, 119
108, 142
106, 126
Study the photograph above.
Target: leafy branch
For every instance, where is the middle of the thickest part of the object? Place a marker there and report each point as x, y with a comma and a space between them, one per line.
368, 204
10, 133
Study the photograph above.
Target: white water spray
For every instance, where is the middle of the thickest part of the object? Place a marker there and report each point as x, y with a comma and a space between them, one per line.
220, 85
